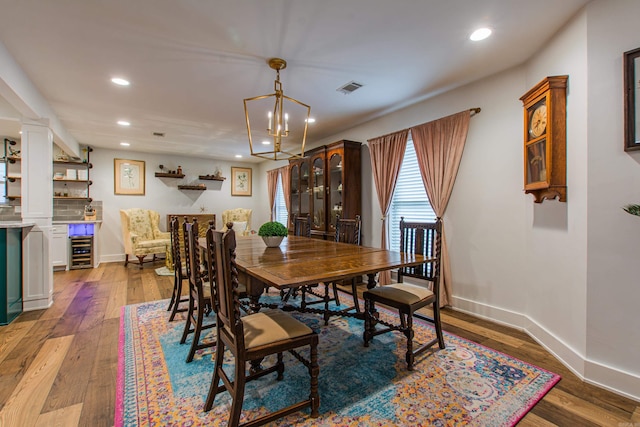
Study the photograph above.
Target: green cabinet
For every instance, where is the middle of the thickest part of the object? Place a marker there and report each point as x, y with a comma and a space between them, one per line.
10, 274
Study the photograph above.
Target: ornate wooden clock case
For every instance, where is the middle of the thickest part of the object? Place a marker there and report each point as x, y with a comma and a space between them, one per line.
545, 136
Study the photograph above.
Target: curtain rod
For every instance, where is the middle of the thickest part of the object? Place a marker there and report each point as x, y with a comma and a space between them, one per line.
474, 111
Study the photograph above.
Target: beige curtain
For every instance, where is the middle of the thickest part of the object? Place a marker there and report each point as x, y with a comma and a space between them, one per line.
387, 153
285, 176
439, 145
272, 187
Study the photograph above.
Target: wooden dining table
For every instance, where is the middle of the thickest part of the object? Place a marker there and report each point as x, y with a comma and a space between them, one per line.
300, 261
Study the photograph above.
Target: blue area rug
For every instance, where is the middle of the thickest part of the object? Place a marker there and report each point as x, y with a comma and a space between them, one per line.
464, 384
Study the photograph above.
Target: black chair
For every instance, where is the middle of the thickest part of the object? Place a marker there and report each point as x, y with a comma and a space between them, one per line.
200, 302
252, 337
179, 271
347, 231
417, 238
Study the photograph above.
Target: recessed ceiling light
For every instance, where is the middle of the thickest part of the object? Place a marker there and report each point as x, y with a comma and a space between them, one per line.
238, 156
311, 120
125, 144
123, 123
265, 142
120, 81
480, 34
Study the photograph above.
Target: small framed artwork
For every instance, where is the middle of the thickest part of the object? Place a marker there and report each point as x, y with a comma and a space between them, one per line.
240, 181
631, 62
128, 177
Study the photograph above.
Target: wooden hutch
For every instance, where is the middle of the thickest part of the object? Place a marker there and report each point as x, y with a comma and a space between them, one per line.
326, 183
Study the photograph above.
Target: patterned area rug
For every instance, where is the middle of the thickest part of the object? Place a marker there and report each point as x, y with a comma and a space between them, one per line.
464, 384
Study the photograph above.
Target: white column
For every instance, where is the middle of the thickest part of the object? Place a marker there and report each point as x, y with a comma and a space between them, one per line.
37, 207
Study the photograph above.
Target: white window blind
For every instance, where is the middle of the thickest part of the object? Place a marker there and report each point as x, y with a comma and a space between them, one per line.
409, 198
280, 213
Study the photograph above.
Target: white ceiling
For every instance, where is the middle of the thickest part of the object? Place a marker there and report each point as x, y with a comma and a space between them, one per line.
192, 62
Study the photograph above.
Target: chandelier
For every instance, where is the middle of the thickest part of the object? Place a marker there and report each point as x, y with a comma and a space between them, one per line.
280, 122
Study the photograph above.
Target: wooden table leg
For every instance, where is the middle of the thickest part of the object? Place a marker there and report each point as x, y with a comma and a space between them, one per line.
371, 283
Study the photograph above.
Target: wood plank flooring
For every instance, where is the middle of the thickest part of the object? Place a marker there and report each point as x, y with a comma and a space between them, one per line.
58, 366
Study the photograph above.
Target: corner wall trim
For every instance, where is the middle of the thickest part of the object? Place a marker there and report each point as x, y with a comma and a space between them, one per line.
623, 383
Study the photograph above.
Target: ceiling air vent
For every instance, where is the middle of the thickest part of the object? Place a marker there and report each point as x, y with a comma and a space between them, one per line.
159, 134
350, 87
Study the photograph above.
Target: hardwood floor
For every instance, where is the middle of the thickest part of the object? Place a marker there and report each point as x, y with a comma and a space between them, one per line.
58, 366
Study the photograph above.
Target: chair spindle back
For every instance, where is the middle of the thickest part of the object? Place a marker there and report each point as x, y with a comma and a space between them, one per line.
348, 230
421, 238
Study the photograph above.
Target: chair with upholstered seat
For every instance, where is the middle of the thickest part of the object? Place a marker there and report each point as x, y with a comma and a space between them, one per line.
416, 238
179, 270
203, 219
141, 234
200, 302
253, 337
347, 231
241, 219
301, 225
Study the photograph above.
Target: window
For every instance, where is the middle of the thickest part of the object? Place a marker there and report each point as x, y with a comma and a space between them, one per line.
409, 198
280, 213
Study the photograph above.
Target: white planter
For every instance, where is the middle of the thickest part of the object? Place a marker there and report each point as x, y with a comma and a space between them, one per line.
272, 241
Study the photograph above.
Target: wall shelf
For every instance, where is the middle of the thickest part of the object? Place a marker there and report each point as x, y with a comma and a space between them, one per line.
72, 163
192, 187
211, 178
169, 175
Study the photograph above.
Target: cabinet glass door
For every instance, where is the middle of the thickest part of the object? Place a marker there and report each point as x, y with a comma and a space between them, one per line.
304, 188
318, 193
536, 167
335, 189
295, 190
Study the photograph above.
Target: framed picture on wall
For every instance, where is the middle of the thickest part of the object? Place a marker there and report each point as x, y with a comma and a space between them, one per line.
128, 177
240, 181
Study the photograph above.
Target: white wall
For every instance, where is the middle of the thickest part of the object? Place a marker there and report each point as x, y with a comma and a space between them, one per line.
567, 273
556, 233
613, 270
162, 194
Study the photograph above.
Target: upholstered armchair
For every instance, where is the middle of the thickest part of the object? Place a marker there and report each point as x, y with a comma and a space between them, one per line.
241, 219
141, 234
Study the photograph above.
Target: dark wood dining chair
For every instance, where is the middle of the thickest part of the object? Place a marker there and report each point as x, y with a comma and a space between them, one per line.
302, 225
179, 271
252, 337
424, 238
200, 302
347, 231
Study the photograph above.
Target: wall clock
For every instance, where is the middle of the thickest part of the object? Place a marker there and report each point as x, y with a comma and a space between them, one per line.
545, 135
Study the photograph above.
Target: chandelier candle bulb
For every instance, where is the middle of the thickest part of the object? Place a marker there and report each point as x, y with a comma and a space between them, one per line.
270, 116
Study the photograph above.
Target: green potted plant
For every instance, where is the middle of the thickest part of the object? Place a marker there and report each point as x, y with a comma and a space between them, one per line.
632, 209
272, 233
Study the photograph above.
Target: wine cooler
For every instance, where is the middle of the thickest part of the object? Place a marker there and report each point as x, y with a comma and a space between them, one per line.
81, 252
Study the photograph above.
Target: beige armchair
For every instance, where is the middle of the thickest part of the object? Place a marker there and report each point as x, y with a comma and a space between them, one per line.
240, 217
141, 234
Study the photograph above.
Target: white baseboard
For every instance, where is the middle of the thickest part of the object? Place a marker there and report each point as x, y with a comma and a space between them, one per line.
598, 374
113, 258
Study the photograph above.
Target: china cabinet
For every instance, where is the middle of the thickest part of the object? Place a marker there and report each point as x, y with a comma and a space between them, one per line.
325, 184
